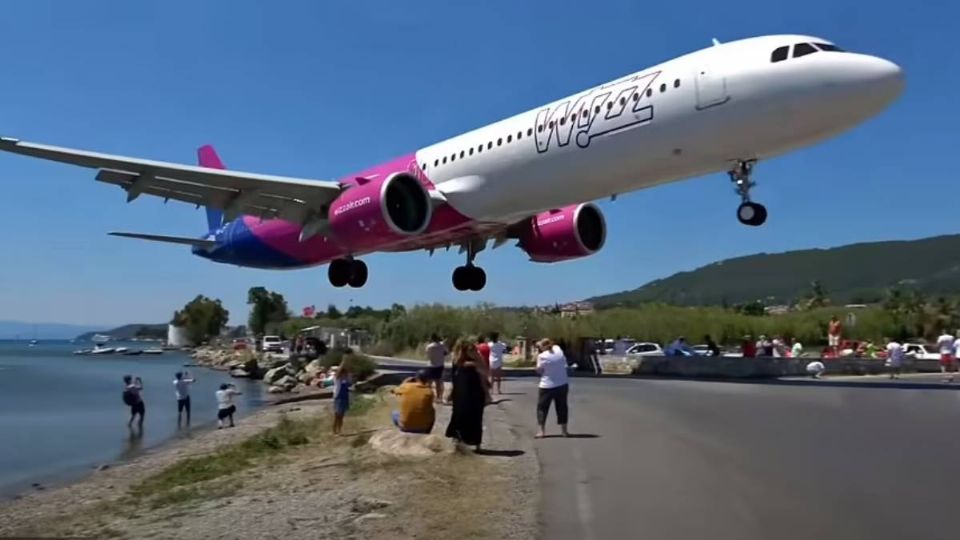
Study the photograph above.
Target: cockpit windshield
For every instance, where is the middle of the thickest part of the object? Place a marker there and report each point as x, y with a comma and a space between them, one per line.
802, 49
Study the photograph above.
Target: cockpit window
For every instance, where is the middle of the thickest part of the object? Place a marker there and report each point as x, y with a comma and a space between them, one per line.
780, 54
829, 47
803, 49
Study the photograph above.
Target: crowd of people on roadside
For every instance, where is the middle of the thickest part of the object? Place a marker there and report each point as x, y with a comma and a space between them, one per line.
133, 398
476, 374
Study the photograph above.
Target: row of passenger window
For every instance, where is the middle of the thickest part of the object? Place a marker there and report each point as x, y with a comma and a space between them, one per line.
529, 133
802, 49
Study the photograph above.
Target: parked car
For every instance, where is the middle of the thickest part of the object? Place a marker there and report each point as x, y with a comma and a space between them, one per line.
921, 351
645, 349
271, 344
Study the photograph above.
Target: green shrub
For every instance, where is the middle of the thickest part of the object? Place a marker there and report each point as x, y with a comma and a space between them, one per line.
361, 366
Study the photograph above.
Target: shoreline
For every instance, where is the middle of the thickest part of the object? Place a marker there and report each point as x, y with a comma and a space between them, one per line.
286, 491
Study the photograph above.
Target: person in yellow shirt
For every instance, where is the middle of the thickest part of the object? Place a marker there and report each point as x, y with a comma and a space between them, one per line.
416, 414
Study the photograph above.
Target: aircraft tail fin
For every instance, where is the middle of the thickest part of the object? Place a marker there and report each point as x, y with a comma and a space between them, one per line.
207, 157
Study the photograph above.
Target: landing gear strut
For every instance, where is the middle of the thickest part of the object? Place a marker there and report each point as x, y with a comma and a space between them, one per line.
469, 277
344, 272
749, 212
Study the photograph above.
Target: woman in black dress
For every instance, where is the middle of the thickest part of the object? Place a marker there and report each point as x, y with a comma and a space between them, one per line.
469, 395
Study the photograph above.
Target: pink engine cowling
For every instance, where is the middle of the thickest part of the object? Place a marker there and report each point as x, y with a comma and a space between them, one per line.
374, 213
563, 234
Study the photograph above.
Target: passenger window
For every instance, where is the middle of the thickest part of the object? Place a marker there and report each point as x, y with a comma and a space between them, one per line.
519, 135
780, 54
563, 120
584, 113
636, 96
596, 110
480, 149
676, 83
461, 154
471, 150
499, 142
663, 88
803, 49
551, 124
623, 101
509, 139
540, 128
649, 92
436, 163
453, 158
444, 160
573, 118
529, 132
489, 145
609, 105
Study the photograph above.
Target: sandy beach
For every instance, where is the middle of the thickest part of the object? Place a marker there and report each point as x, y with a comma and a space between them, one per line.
280, 473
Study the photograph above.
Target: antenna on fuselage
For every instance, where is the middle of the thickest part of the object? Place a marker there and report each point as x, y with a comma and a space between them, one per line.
715, 42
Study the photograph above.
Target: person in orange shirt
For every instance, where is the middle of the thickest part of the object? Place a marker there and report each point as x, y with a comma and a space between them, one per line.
416, 414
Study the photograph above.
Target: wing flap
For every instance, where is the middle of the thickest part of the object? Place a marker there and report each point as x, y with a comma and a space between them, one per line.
195, 242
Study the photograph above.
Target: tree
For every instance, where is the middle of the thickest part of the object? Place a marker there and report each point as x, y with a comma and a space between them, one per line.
202, 318
333, 312
268, 307
817, 297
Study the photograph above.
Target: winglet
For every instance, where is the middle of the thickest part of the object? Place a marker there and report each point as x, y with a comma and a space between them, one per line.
715, 42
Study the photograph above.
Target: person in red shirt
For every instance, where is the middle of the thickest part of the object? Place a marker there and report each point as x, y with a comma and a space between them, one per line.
484, 349
748, 347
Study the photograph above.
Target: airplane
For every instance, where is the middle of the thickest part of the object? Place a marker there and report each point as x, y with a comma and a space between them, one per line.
530, 177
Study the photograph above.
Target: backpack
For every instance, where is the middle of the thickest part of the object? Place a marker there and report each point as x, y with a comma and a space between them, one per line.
128, 398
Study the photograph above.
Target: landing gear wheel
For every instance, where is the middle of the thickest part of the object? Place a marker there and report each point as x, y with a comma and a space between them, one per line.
339, 272
358, 274
461, 278
469, 278
751, 213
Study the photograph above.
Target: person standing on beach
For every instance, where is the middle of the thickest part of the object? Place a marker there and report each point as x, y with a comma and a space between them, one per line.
225, 406
341, 395
469, 395
132, 398
437, 354
497, 350
181, 383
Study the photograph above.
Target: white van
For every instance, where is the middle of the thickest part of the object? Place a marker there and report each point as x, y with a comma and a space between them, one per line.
271, 344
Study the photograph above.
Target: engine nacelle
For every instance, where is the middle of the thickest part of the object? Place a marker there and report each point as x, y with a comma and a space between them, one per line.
377, 212
567, 233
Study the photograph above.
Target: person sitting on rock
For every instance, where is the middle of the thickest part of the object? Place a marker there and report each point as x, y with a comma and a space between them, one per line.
416, 414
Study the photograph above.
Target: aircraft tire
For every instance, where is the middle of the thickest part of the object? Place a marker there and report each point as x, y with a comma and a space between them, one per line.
339, 272
752, 214
358, 274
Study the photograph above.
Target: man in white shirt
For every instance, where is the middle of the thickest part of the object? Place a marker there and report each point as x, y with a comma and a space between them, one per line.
225, 406
437, 355
181, 383
619, 347
553, 387
497, 350
947, 362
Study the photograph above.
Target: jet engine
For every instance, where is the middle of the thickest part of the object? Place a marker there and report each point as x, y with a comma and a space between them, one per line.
374, 213
567, 233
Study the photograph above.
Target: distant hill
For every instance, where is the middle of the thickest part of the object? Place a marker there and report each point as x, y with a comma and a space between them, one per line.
29, 330
129, 331
859, 273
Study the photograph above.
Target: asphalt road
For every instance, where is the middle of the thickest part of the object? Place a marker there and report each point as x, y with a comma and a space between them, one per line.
729, 460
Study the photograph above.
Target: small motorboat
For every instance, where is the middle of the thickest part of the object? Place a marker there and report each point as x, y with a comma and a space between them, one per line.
153, 351
121, 350
134, 352
82, 351
102, 350
33, 343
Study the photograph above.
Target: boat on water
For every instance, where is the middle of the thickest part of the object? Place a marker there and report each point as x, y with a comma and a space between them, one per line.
99, 349
121, 350
153, 351
134, 352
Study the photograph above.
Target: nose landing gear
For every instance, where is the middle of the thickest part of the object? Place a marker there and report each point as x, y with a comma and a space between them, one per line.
749, 212
342, 272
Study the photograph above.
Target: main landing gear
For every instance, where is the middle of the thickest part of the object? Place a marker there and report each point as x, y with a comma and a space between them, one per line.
749, 212
469, 277
344, 272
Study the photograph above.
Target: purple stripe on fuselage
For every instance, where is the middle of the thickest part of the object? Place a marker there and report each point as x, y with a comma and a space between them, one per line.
282, 238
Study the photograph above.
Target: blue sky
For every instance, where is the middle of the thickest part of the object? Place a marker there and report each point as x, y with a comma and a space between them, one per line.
321, 89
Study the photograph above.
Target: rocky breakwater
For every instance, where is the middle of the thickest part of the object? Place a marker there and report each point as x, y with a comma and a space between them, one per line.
240, 363
293, 375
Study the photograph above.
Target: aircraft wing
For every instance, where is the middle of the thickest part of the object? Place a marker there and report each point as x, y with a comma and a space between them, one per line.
236, 193
195, 242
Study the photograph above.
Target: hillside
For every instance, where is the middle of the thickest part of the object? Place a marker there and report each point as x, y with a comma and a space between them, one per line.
29, 330
853, 273
129, 331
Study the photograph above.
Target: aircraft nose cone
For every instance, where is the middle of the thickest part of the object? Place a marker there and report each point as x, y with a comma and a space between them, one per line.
880, 77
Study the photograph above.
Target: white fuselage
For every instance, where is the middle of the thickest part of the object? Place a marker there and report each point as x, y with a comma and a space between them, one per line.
693, 115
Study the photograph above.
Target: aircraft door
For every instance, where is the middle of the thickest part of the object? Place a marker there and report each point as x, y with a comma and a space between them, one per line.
711, 86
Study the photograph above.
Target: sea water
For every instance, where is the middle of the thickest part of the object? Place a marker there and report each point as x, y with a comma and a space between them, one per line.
62, 415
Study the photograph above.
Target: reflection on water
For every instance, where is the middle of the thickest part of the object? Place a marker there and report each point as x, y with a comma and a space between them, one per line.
48, 396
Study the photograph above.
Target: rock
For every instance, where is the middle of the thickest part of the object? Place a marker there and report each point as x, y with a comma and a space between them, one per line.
240, 373
103, 467
365, 505
313, 367
398, 443
275, 390
234, 364
305, 377
287, 382
275, 374
368, 517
